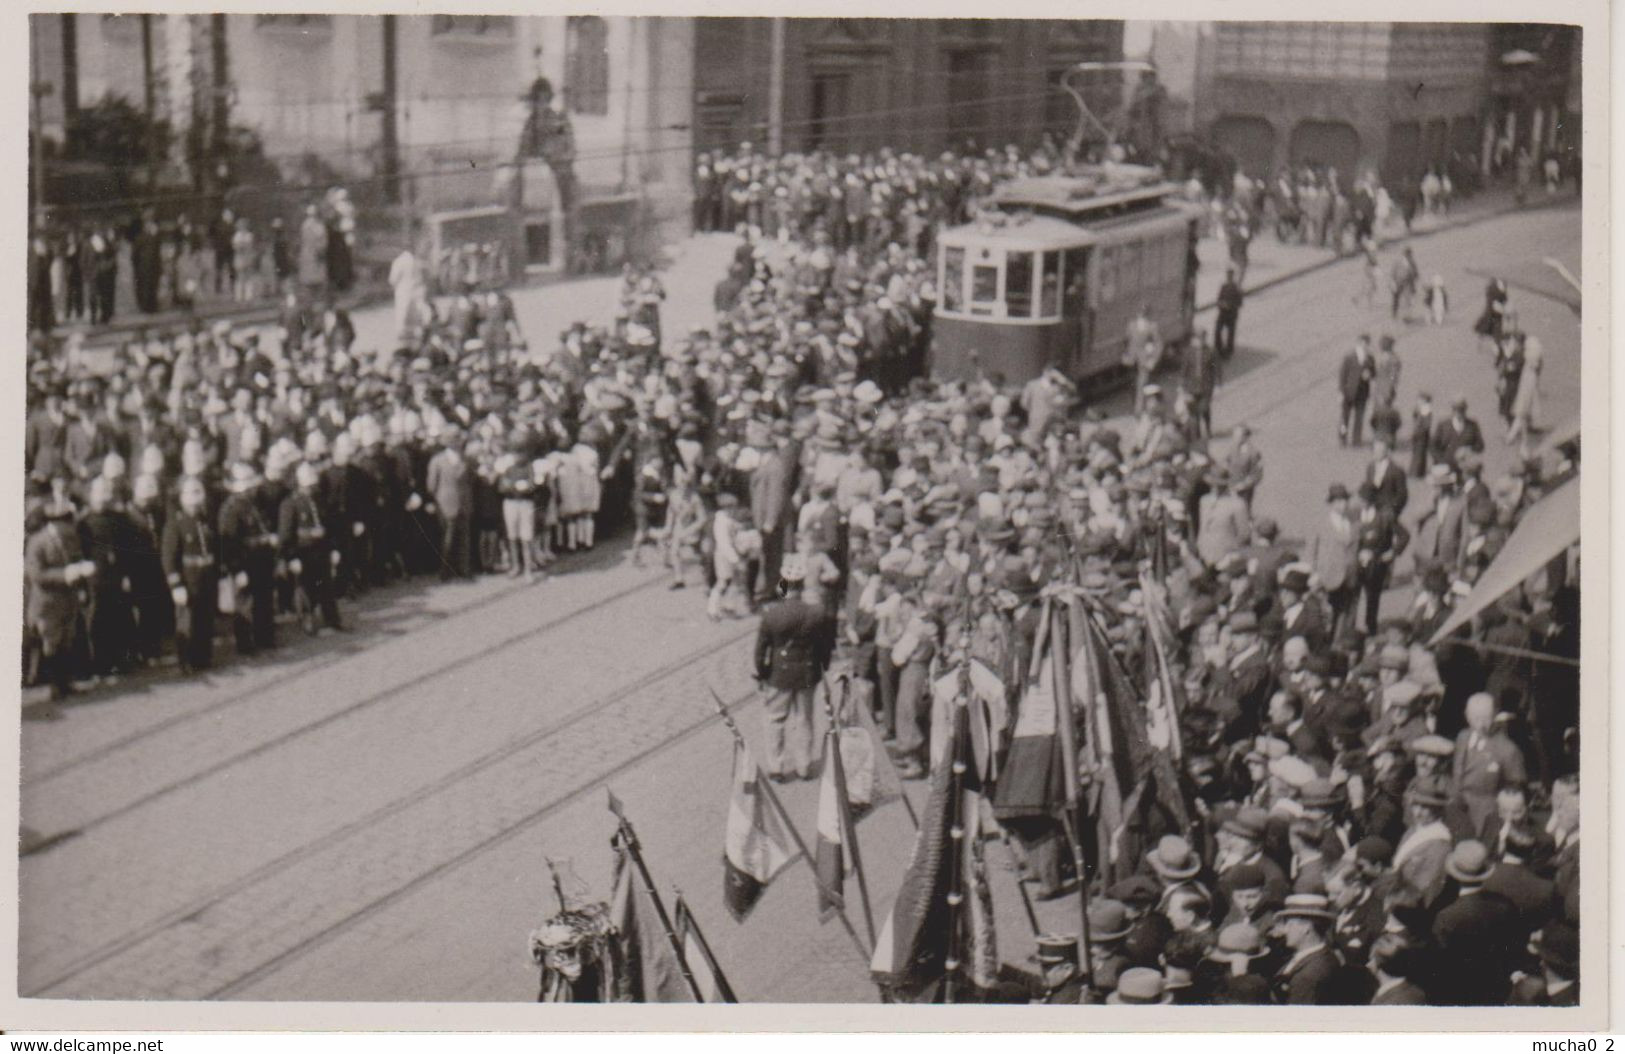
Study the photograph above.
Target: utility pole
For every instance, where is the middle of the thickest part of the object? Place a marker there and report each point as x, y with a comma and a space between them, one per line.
149, 101
389, 138
775, 91
38, 89
220, 111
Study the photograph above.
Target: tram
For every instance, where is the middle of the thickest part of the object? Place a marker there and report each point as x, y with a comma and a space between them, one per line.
1055, 269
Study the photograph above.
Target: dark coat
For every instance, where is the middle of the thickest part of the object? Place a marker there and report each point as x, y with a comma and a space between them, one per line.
1305, 983
794, 645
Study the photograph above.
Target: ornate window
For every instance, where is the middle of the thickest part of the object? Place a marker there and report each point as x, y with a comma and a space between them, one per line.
586, 64
475, 26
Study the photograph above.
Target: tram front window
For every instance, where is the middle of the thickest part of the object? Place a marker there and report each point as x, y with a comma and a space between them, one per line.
1018, 285
984, 289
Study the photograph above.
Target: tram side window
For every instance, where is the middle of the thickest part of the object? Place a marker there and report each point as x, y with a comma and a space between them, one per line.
1108, 275
1018, 285
953, 278
1049, 293
1077, 283
1128, 269
984, 289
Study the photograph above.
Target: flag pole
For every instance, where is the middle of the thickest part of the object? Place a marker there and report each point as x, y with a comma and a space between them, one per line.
1021, 886
629, 839
724, 989
790, 827
956, 805
1072, 821
848, 827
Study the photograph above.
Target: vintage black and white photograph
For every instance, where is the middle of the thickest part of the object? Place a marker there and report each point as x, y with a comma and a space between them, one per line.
606, 508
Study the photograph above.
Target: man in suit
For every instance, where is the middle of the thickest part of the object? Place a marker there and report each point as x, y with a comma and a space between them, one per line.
1534, 898
1224, 323
1456, 431
1245, 465
1440, 528
450, 484
770, 487
1476, 933
1485, 761
1420, 856
1354, 386
58, 578
1201, 380
1380, 539
1558, 984
45, 435
1331, 555
1385, 381
1242, 687
1224, 524
1394, 962
1300, 616
794, 644
1385, 475
1303, 923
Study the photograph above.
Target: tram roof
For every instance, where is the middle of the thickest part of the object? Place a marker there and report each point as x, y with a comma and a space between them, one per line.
1095, 190
1030, 231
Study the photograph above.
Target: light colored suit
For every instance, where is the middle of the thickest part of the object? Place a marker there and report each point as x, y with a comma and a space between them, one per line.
1331, 552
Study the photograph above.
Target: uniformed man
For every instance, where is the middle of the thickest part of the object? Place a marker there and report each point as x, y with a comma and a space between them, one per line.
794, 645
302, 528
248, 551
190, 555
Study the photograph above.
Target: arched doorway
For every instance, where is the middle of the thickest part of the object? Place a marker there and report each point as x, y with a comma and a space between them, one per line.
1249, 140
1403, 160
1329, 145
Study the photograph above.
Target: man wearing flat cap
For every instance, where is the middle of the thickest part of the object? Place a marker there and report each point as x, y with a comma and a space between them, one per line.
1420, 856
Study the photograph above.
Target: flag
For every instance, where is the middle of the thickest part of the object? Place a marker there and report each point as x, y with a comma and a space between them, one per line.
987, 715
1039, 777
1129, 773
756, 847
1165, 693
651, 971
941, 909
708, 975
832, 854
871, 775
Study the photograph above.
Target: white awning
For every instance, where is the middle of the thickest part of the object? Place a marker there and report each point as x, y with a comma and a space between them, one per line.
1544, 532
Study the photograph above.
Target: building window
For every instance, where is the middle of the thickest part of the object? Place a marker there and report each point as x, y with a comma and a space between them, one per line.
294, 21
586, 64
481, 26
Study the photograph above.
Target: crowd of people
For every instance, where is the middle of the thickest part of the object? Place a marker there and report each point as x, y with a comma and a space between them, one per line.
79, 267
1381, 820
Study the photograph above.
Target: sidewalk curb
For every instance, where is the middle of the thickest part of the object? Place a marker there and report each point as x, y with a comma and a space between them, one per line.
1287, 276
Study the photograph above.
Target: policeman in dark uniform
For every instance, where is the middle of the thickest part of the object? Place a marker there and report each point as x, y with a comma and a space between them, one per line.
189, 555
347, 495
303, 529
248, 552
794, 645
1060, 981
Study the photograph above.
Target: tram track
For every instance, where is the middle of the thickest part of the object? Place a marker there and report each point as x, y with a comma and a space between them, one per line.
199, 905
281, 682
